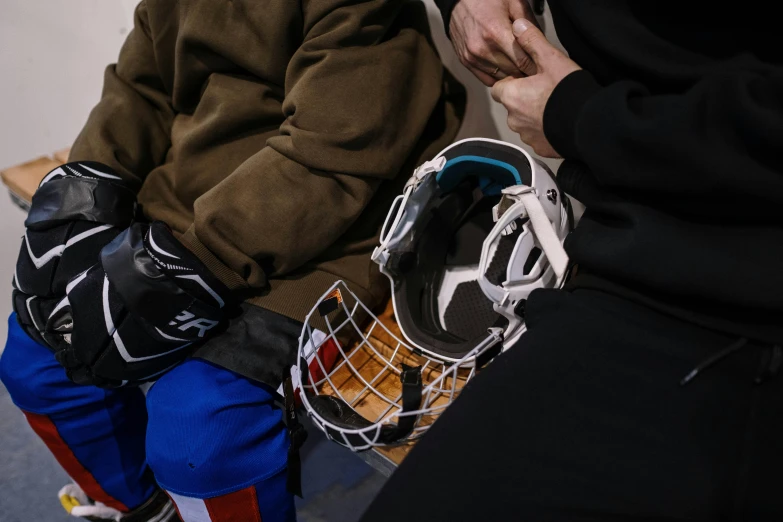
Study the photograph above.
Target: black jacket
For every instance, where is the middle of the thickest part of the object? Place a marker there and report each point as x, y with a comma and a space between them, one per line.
673, 139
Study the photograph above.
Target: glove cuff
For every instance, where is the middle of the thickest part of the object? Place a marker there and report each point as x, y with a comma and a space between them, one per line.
158, 280
182, 265
230, 278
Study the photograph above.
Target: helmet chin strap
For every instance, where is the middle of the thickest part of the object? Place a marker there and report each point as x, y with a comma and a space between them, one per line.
546, 235
520, 200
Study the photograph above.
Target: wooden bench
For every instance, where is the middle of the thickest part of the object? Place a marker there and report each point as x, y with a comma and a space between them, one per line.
22, 182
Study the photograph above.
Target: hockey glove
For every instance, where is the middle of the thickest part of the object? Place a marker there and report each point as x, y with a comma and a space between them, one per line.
76, 211
138, 312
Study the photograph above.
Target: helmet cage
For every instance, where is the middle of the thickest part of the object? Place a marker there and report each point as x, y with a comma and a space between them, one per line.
363, 386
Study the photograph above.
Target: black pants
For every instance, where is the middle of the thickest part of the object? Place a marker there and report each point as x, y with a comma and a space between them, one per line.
585, 419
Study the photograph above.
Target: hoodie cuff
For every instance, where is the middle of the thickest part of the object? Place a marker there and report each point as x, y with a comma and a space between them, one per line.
562, 111
227, 276
446, 7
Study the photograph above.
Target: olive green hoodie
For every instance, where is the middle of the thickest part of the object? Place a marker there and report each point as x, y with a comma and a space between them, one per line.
272, 135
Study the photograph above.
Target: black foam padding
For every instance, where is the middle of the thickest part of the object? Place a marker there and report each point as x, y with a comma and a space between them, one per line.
470, 313
465, 245
496, 273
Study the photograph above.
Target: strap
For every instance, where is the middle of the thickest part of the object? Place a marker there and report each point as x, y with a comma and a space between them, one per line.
335, 411
298, 436
546, 235
487, 356
72, 198
411, 401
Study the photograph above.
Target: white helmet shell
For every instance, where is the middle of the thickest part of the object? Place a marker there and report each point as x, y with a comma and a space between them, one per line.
476, 230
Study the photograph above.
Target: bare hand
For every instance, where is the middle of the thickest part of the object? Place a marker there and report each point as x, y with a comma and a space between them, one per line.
481, 34
526, 98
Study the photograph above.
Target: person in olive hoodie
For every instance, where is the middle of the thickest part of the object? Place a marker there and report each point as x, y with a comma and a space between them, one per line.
649, 388
241, 160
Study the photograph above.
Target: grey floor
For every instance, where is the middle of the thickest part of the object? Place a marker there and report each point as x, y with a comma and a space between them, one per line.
337, 485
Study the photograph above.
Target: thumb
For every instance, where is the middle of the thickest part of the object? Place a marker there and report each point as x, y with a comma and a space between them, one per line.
499, 90
530, 39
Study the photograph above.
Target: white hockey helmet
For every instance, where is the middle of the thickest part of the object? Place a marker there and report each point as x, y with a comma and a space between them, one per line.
475, 231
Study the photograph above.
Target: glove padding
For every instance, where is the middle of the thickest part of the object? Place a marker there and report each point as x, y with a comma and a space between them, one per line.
77, 210
138, 312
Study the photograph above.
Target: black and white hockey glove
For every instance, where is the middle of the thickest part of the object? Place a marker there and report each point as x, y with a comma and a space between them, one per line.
138, 312
76, 211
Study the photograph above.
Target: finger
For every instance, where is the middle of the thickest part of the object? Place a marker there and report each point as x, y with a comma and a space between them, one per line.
490, 65
485, 71
518, 58
500, 89
471, 63
505, 67
521, 9
531, 39
483, 77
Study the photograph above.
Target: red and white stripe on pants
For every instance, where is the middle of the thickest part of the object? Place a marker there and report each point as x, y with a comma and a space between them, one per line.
240, 506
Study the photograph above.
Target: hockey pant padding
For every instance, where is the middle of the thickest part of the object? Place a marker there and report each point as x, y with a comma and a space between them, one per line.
218, 445
214, 440
96, 435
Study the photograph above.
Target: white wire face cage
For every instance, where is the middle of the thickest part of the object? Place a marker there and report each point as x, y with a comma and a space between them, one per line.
365, 387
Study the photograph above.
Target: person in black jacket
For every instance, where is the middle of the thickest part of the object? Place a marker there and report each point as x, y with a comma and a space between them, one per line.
649, 388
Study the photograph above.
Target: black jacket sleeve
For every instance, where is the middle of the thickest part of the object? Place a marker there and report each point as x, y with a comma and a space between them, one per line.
722, 135
446, 7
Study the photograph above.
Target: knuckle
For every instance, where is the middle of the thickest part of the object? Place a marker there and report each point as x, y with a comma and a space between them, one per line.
495, 32
524, 62
489, 34
475, 47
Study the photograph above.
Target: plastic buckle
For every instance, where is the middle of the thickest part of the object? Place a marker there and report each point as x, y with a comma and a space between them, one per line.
421, 172
411, 376
517, 190
380, 255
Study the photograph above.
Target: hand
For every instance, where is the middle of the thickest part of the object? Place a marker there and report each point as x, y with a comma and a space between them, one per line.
78, 209
481, 34
133, 316
526, 98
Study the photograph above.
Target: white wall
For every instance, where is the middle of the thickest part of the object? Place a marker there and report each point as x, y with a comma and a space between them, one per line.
52, 56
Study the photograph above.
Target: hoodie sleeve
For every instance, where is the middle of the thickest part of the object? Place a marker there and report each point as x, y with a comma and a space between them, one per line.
359, 92
446, 7
722, 135
129, 129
